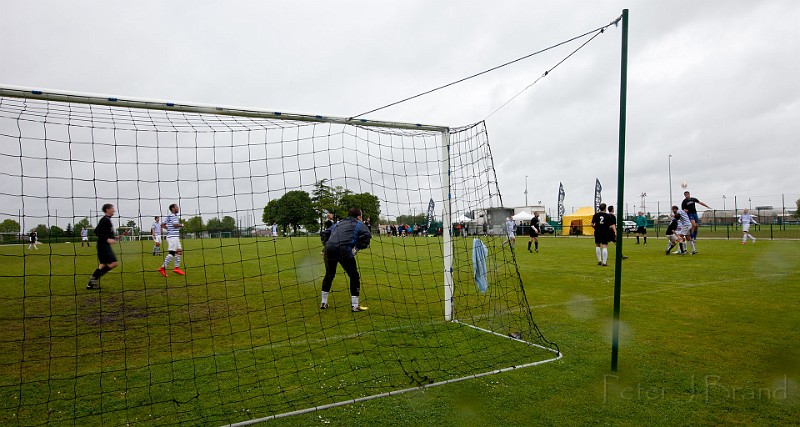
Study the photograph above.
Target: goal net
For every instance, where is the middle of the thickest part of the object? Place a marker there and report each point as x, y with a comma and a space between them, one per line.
241, 336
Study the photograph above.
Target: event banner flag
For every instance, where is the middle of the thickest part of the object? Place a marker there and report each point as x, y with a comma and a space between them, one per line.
560, 201
430, 214
597, 199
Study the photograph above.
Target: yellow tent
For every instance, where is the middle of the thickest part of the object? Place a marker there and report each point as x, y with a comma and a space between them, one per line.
578, 222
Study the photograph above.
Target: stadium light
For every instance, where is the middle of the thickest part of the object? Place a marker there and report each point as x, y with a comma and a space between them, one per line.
669, 169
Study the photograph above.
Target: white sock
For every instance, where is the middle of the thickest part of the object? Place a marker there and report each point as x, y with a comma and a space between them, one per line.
599, 256
177, 261
605, 255
354, 301
692, 243
744, 237
167, 260
324, 297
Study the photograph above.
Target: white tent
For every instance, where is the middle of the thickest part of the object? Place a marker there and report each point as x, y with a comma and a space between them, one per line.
522, 216
464, 218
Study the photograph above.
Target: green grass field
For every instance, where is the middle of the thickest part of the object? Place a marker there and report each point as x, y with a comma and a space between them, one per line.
706, 339
241, 335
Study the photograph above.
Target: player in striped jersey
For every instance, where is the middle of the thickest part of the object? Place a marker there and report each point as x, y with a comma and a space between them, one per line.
173, 225
685, 231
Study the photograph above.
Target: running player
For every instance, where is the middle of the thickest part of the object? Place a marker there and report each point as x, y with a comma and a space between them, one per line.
510, 229
534, 232
746, 219
155, 230
604, 232
33, 239
105, 238
172, 224
688, 203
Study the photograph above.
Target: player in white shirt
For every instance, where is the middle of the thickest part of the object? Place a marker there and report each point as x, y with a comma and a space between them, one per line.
746, 219
510, 229
155, 231
173, 225
85, 237
274, 231
684, 231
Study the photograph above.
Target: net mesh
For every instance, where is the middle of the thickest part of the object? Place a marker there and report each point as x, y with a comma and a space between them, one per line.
241, 335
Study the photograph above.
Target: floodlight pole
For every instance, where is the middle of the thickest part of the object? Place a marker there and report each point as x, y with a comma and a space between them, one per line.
526, 191
669, 171
623, 94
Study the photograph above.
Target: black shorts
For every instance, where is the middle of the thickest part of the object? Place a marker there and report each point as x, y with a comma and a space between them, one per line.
105, 254
641, 230
533, 233
602, 238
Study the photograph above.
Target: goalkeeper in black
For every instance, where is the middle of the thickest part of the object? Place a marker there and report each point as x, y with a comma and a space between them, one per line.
105, 238
342, 241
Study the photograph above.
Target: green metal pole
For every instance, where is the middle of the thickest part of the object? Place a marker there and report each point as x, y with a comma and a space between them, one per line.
623, 95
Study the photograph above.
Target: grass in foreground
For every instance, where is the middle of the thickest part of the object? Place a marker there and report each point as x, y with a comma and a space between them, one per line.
241, 335
706, 340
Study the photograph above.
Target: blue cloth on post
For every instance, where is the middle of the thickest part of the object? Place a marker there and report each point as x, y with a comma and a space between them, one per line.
479, 254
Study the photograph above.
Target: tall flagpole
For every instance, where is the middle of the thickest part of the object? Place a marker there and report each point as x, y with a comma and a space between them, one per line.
623, 94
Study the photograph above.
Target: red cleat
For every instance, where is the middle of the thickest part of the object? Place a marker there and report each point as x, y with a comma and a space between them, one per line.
177, 270
162, 271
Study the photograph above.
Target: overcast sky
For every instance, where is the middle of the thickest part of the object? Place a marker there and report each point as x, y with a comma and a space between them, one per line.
714, 84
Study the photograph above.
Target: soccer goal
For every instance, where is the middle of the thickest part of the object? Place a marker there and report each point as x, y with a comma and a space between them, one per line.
241, 337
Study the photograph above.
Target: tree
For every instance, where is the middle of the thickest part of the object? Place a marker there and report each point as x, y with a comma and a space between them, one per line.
327, 199
9, 226
228, 224
369, 204
323, 198
408, 219
42, 231
194, 225
213, 225
271, 212
68, 231
797, 212
296, 210
55, 232
293, 209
